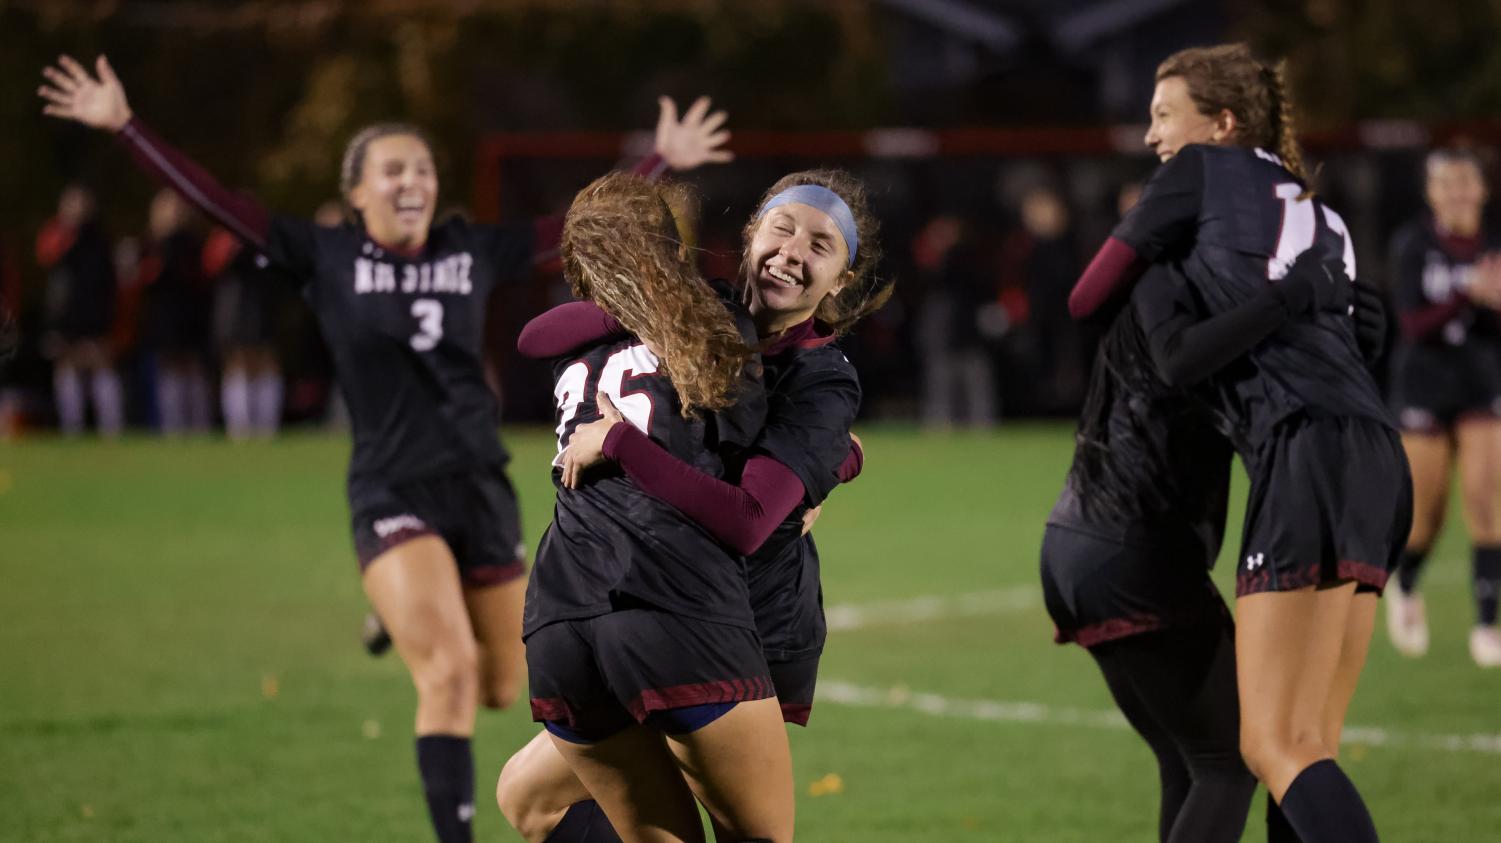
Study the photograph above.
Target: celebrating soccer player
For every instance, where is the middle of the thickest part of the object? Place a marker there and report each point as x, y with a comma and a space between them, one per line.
401, 301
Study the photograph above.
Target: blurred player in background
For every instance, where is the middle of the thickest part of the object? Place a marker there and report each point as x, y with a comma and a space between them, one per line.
82, 294
1330, 498
400, 300
1446, 391
805, 449
176, 315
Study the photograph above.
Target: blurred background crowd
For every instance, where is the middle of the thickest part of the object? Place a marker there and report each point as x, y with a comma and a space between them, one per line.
1001, 140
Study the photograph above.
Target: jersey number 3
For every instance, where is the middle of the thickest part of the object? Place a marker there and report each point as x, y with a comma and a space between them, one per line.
632, 361
429, 313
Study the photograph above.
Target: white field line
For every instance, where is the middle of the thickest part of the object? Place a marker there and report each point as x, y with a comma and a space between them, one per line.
849, 616
1011, 711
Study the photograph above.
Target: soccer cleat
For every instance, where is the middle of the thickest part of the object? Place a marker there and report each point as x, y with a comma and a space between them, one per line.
374, 636
1485, 646
1407, 622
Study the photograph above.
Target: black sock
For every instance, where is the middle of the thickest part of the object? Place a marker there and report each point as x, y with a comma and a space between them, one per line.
1487, 568
1278, 829
447, 768
1409, 566
584, 823
1324, 806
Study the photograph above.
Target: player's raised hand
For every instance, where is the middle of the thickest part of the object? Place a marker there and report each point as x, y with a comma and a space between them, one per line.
698, 138
72, 94
586, 447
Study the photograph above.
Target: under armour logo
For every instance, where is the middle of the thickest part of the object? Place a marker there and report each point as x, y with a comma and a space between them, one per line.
1254, 561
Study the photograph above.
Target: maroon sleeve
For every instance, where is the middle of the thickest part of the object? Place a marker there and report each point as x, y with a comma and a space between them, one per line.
565, 328
1113, 269
853, 464
742, 517
240, 214
1423, 322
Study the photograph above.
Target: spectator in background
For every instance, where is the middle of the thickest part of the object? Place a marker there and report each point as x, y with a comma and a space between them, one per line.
1050, 264
246, 303
953, 325
80, 308
176, 316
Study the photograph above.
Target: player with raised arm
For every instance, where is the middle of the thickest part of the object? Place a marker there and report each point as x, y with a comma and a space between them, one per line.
401, 301
1330, 498
804, 292
1446, 391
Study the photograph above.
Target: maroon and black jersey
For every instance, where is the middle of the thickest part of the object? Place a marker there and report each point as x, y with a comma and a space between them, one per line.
1232, 219
813, 395
610, 545
407, 335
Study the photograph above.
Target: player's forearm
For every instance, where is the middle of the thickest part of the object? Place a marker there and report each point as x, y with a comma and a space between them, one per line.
1114, 267
566, 328
1185, 354
742, 517
241, 215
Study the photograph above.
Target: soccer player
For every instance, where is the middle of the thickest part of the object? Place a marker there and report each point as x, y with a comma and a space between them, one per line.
813, 394
81, 304
1330, 498
1129, 544
175, 316
401, 301
246, 303
642, 650
1446, 391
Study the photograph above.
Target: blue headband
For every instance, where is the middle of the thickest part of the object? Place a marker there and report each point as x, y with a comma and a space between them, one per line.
826, 200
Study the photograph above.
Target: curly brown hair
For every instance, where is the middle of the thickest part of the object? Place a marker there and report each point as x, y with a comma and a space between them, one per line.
865, 292
1229, 77
621, 248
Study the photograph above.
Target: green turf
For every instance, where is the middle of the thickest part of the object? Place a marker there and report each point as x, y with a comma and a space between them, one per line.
152, 593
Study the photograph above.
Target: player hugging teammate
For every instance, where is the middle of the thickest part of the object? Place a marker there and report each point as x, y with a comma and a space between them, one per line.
1228, 213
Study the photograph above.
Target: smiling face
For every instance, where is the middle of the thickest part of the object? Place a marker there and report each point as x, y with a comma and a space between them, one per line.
797, 258
398, 191
1177, 120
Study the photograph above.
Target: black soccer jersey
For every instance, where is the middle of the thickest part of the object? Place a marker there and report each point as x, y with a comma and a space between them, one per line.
1233, 220
1156, 445
406, 333
609, 544
813, 395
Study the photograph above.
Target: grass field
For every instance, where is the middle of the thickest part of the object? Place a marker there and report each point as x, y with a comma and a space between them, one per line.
178, 661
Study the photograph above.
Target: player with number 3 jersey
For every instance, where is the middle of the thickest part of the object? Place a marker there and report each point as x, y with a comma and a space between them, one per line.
401, 301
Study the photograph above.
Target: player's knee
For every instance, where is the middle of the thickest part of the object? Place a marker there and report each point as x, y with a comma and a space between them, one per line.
1268, 751
450, 677
518, 800
1480, 507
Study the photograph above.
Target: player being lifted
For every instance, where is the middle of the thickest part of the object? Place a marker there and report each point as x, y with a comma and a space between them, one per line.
401, 301
804, 291
1330, 498
1446, 391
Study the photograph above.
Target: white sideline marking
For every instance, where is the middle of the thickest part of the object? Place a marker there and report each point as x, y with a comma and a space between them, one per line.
849, 616
1009, 711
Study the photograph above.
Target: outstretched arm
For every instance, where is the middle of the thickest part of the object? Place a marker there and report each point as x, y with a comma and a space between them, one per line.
100, 103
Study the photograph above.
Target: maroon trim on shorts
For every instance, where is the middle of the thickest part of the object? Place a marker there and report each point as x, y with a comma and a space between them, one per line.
497, 573
703, 693
402, 536
553, 708
1476, 414
1364, 573
797, 713
1112, 629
